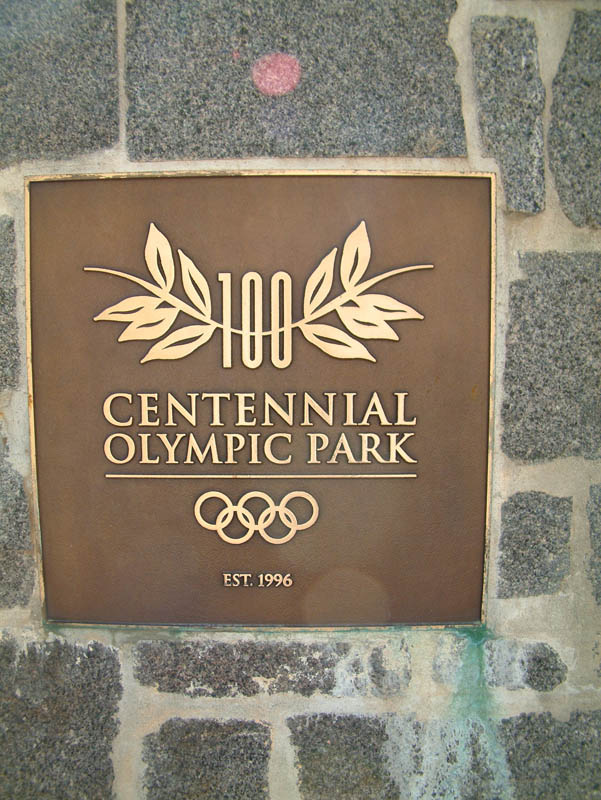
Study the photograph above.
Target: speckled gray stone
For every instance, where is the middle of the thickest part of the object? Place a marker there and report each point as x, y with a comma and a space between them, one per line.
593, 508
575, 129
450, 650
16, 561
444, 759
517, 665
511, 99
342, 756
376, 79
9, 345
58, 705
58, 75
549, 758
389, 669
201, 759
216, 669
534, 554
552, 405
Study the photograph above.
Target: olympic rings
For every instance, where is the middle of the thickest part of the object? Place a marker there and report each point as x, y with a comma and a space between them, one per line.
246, 518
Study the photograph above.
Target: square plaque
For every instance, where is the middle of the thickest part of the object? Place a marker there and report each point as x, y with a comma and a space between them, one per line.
261, 398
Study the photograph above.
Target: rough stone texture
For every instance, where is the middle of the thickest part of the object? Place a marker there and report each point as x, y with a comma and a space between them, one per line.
446, 667
58, 705
593, 508
16, 562
534, 547
516, 665
342, 756
553, 759
552, 405
216, 669
201, 758
442, 759
511, 99
376, 79
58, 75
388, 675
575, 130
9, 344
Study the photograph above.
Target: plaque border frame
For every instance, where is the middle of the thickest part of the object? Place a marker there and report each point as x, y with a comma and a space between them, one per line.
36, 533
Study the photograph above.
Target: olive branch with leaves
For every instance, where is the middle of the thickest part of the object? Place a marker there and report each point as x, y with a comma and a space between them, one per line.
364, 315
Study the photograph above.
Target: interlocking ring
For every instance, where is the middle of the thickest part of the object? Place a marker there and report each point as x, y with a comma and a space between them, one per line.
266, 517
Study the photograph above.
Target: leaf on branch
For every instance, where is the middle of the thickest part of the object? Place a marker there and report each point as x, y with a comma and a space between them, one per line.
180, 343
159, 258
366, 323
126, 310
355, 256
319, 283
334, 342
195, 284
387, 307
149, 324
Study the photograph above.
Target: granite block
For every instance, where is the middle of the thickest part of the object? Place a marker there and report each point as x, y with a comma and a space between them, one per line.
389, 669
448, 659
58, 709
511, 99
58, 74
9, 343
552, 406
534, 554
202, 758
548, 758
216, 669
374, 79
518, 665
342, 755
593, 508
575, 130
442, 759
16, 561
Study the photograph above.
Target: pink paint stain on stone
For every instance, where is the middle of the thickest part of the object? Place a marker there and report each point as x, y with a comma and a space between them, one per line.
276, 74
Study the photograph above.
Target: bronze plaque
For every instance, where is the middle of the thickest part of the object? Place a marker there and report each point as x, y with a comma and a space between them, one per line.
263, 398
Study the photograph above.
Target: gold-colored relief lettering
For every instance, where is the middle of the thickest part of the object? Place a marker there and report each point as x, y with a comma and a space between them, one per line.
267, 448
108, 448
146, 409
225, 279
171, 446
254, 448
189, 415
309, 403
233, 443
349, 398
252, 320
400, 410
144, 455
245, 408
375, 409
281, 320
200, 455
344, 448
317, 443
369, 447
269, 404
216, 398
396, 448
108, 412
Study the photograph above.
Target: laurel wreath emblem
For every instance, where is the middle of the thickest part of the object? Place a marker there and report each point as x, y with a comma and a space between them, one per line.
364, 315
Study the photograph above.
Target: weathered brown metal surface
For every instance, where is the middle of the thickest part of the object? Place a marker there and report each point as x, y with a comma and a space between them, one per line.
131, 542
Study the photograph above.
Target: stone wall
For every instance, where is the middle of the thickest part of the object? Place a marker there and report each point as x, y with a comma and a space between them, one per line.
511, 709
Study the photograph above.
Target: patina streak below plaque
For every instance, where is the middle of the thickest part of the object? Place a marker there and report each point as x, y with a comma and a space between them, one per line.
261, 399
